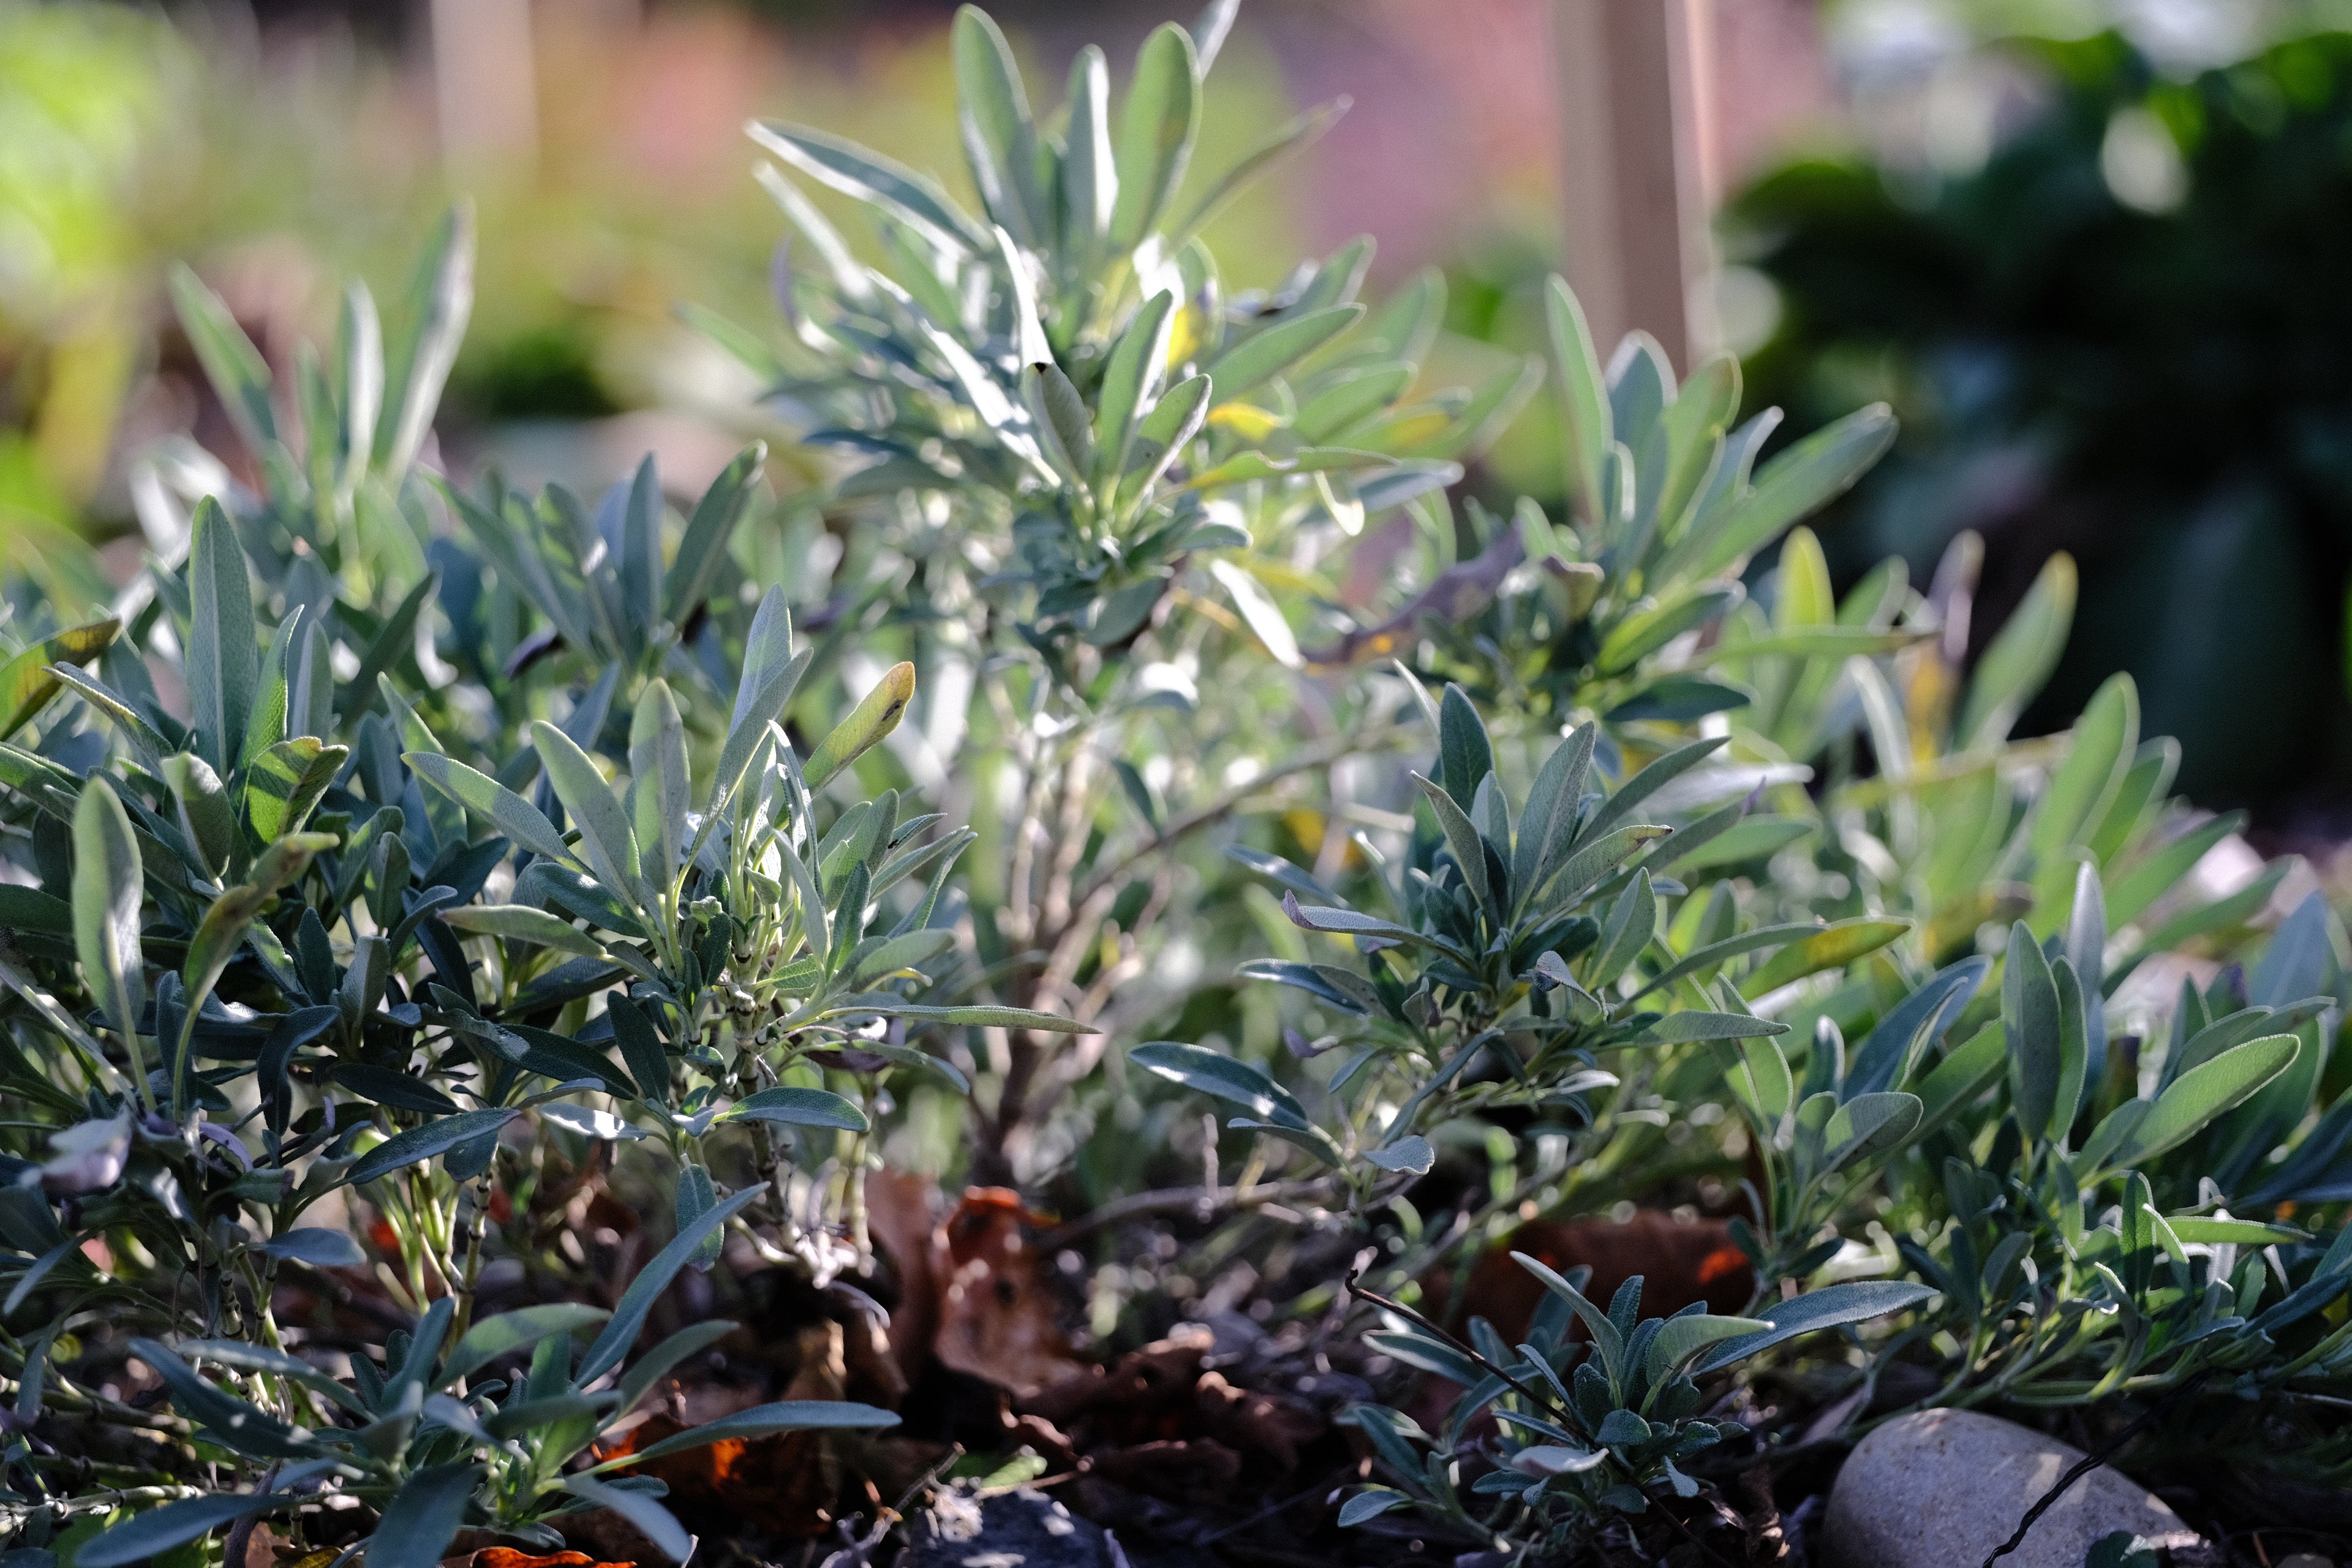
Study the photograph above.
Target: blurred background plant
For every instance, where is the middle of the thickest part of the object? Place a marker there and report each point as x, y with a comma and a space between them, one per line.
1905, 719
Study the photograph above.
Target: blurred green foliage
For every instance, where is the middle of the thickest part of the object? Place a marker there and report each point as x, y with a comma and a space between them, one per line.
2122, 336
277, 162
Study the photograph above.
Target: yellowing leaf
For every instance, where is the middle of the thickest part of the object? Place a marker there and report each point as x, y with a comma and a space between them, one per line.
874, 718
1245, 420
1832, 947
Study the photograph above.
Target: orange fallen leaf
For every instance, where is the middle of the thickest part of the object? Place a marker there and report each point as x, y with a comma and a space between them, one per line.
997, 1317
509, 1557
1272, 1427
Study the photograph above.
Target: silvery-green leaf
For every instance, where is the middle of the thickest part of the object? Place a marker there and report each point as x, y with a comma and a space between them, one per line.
1410, 1154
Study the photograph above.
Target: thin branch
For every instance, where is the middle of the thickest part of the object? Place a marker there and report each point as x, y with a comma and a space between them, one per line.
1175, 1200
1317, 756
2092, 1461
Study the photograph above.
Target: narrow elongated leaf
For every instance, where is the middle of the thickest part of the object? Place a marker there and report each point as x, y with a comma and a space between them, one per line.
484, 796
1089, 169
223, 929
206, 813
1645, 632
2031, 1011
2205, 1091
1676, 1027
238, 1423
360, 346
1700, 961
1261, 357
911, 198
422, 1517
1892, 1049
1649, 782
1338, 921
663, 792
983, 1018
629, 1314
1684, 1336
1278, 149
29, 908
1790, 487
317, 1246
1869, 1124
519, 1330
240, 376
1599, 857
2155, 871
704, 546
1963, 1076
790, 1107
641, 1049
1553, 802
1462, 838
999, 142
1173, 421
1584, 401
286, 782
107, 701
1833, 947
607, 841
265, 724
2012, 671
641, 556
396, 637
2104, 739
1605, 1332
107, 892
520, 922
1834, 1306
223, 662
1259, 612
2195, 1230
1428, 1354
440, 300
657, 1363
419, 1143
1155, 132
1757, 1073
1131, 381
150, 1534
1220, 1076
1465, 755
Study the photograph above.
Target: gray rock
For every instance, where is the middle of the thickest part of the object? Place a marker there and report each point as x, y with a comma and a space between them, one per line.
1943, 1487
1012, 1529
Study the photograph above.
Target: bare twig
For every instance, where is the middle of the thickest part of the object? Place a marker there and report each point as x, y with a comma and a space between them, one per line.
2092, 1461
1175, 1200
1313, 757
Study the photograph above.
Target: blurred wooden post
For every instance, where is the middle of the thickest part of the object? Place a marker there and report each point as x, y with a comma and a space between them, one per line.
483, 79
1637, 184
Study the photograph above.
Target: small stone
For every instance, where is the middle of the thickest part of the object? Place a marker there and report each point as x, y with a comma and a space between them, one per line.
1942, 1489
1021, 1529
